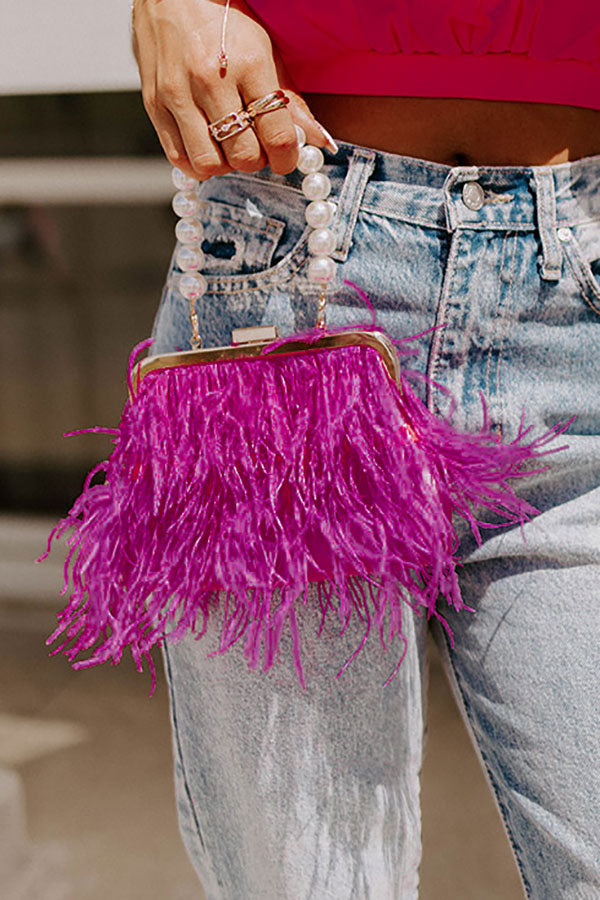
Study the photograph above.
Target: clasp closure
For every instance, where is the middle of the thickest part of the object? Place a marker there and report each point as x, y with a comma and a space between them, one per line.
253, 334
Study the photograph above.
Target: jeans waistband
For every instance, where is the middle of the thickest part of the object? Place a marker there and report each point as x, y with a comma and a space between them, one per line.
503, 198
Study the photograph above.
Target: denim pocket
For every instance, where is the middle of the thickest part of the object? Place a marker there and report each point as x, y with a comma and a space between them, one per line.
254, 230
236, 241
581, 247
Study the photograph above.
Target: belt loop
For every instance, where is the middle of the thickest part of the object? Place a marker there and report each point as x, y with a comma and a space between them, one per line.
360, 169
456, 175
546, 220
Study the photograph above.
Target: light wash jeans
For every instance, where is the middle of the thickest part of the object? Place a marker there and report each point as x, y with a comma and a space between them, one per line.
290, 795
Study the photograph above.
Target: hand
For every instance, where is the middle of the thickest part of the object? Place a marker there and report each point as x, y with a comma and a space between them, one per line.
176, 44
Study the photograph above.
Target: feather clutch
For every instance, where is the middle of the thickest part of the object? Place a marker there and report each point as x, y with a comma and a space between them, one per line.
241, 475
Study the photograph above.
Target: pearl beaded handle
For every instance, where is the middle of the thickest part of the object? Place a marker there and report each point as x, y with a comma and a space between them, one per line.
319, 213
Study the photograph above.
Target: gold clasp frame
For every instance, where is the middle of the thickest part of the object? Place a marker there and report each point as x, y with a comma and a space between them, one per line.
250, 343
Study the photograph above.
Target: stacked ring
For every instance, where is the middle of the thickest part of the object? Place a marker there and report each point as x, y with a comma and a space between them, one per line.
235, 122
268, 103
229, 125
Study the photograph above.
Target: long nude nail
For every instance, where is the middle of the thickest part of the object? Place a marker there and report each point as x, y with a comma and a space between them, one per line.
330, 141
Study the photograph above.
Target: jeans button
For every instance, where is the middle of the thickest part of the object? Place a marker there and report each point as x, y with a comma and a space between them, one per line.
473, 195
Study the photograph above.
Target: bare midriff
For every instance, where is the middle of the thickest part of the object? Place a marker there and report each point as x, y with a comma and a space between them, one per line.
460, 132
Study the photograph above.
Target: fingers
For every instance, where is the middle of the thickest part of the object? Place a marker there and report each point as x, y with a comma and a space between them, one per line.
183, 133
171, 140
241, 151
185, 91
181, 126
194, 153
275, 130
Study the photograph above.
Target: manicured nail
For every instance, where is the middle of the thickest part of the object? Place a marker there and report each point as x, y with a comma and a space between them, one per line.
330, 141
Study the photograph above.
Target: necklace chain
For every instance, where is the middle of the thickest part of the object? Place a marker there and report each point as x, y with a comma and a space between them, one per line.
222, 55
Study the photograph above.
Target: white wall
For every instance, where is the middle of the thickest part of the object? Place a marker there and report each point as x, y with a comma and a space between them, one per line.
56, 46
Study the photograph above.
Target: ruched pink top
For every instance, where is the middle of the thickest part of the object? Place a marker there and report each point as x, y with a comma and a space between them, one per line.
546, 51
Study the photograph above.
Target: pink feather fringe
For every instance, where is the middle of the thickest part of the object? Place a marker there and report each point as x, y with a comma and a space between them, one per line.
259, 477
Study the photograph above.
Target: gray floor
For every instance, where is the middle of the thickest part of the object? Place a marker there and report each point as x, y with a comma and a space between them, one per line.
92, 754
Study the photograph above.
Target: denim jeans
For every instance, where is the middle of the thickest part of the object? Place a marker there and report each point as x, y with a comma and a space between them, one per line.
284, 793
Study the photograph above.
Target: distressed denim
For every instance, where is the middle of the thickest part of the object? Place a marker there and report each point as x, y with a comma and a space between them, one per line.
286, 794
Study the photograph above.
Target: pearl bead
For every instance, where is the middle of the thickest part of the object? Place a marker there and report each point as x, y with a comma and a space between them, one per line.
189, 259
321, 269
188, 231
182, 181
321, 242
192, 287
186, 203
310, 159
319, 213
316, 186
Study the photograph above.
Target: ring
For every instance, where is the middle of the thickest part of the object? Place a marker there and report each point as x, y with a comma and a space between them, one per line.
234, 122
268, 103
229, 125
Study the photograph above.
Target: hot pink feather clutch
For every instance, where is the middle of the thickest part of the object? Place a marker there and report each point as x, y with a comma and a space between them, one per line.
241, 475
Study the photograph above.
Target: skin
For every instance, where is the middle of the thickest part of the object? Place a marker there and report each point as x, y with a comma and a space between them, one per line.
462, 132
176, 44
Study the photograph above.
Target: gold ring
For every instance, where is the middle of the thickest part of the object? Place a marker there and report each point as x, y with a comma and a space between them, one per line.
268, 103
229, 125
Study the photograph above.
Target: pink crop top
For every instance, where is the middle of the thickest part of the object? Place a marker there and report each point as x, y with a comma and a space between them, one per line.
545, 51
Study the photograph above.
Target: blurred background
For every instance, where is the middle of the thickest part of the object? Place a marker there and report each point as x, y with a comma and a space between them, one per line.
86, 799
